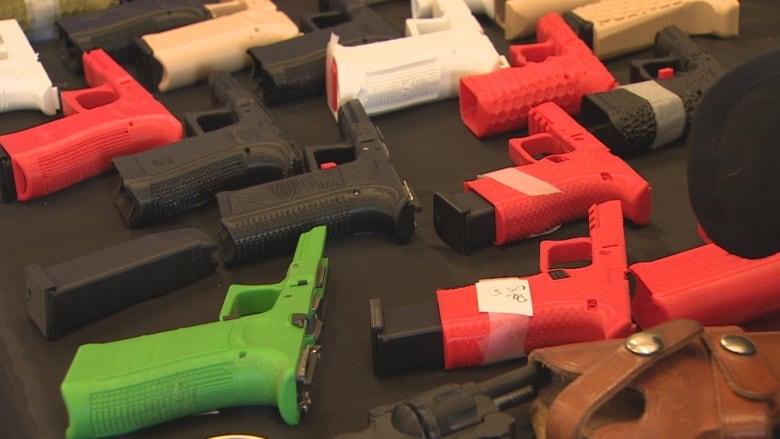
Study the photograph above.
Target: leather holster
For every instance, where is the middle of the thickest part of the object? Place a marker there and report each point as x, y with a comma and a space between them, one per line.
675, 380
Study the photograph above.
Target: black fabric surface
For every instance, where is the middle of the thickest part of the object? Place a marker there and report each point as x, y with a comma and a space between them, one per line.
431, 149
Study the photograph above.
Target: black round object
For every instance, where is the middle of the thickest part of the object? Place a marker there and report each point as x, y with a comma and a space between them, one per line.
734, 159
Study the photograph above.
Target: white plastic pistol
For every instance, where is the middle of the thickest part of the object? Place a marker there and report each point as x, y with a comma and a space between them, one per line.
24, 83
423, 67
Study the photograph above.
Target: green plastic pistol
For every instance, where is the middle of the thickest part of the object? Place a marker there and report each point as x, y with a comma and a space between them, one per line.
262, 351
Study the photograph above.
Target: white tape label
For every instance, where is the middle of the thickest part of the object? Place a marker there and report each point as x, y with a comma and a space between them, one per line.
521, 182
511, 295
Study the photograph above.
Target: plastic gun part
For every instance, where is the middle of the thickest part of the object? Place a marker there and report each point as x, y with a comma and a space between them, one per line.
110, 389
24, 83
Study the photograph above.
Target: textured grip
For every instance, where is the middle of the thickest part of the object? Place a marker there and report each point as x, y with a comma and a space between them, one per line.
576, 171
570, 305
365, 195
165, 182
115, 117
559, 69
625, 26
624, 121
84, 147
520, 215
182, 372
111, 389
188, 54
394, 74
291, 69
25, 83
654, 111
472, 337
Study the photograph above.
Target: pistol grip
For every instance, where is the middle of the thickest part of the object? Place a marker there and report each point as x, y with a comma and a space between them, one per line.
620, 27
570, 305
295, 68
110, 389
362, 196
164, 182
113, 29
185, 55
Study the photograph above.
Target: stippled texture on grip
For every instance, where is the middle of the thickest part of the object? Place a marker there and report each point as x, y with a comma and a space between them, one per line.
631, 117
519, 216
272, 231
111, 389
174, 196
560, 69
64, 167
578, 165
570, 305
115, 117
699, 69
365, 195
466, 330
288, 79
165, 182
161, 399
690, 87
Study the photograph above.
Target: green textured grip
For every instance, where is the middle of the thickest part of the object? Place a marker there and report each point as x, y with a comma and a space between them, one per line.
26, 11
252, 356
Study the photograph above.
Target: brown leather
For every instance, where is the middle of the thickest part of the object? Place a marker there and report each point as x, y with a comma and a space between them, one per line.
692, 387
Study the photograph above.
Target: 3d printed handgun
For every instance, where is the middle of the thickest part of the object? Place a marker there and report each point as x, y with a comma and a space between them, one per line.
188, 54
24, 83
114, 29
656, 109
115, 117
615, 27
568, 305
351, 187
558, 68
235, 146
423, 67
261, 351
295, 68
562, 170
